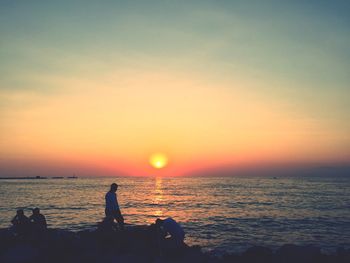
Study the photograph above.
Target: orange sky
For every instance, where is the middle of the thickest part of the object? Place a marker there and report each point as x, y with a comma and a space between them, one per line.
198, 122
208, 88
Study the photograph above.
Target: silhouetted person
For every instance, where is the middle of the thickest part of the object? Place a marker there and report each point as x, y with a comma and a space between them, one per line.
112, 206
38, 220
21, 223
171, 227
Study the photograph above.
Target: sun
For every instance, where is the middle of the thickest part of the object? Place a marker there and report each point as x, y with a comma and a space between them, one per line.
158, 160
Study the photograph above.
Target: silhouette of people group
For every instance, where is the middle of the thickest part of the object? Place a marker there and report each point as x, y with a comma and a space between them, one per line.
169, 233
22, 225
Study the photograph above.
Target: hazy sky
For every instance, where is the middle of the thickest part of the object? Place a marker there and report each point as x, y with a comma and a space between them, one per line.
96, 87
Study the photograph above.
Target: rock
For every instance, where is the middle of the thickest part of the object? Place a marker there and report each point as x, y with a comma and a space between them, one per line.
139, 244
227, 258
20, 253
257, 254
343, 255
129, 258
301, 254
193, 254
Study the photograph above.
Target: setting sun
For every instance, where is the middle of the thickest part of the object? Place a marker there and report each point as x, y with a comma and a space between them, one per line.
158, 160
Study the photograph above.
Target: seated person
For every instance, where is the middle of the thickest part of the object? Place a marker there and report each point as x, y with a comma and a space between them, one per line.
171, 227
21, 223
38, 220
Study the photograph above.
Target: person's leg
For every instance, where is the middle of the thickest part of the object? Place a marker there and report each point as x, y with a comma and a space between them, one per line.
120, 219
107, 213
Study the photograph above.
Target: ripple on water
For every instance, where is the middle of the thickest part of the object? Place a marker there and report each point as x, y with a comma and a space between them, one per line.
220, 214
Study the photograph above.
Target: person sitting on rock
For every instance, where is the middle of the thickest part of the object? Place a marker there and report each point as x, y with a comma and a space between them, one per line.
21, 223
170, 227
38, 220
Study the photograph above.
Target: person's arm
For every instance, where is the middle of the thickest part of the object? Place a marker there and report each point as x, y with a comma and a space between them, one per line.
115, 202
44, 222
14, 220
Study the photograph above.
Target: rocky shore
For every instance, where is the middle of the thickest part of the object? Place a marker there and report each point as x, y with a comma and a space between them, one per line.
138, 244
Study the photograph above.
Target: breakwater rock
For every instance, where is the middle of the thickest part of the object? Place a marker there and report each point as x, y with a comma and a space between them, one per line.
139, 244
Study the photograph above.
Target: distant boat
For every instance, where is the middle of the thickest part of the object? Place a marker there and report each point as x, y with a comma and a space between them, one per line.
57, 177
72, 177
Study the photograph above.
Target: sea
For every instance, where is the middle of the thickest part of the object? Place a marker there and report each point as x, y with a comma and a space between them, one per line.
220, 214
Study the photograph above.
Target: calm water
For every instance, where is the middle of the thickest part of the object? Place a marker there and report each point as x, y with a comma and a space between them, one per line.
219, 214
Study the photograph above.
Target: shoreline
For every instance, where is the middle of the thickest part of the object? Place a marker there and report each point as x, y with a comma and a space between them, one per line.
137, 244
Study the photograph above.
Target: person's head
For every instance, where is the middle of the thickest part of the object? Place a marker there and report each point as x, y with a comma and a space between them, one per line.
20, 212
159, 222
114, 187
36, 211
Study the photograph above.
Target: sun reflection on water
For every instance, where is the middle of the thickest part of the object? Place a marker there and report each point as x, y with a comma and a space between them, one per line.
158, 197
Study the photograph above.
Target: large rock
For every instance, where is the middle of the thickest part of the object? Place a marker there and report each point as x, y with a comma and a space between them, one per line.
301, 254
343, 255
21, 253
139, 244
257, 254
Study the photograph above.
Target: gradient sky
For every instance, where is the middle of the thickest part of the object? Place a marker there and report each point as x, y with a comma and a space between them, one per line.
96, 87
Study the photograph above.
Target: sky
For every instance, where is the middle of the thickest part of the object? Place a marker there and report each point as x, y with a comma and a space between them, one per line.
97, 87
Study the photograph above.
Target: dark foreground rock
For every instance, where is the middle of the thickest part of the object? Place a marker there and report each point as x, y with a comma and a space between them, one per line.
139, 244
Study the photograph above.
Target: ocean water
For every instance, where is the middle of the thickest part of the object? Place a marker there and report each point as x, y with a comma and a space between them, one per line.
217, 213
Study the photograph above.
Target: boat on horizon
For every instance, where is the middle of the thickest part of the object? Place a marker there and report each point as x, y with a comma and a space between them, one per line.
72, 177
